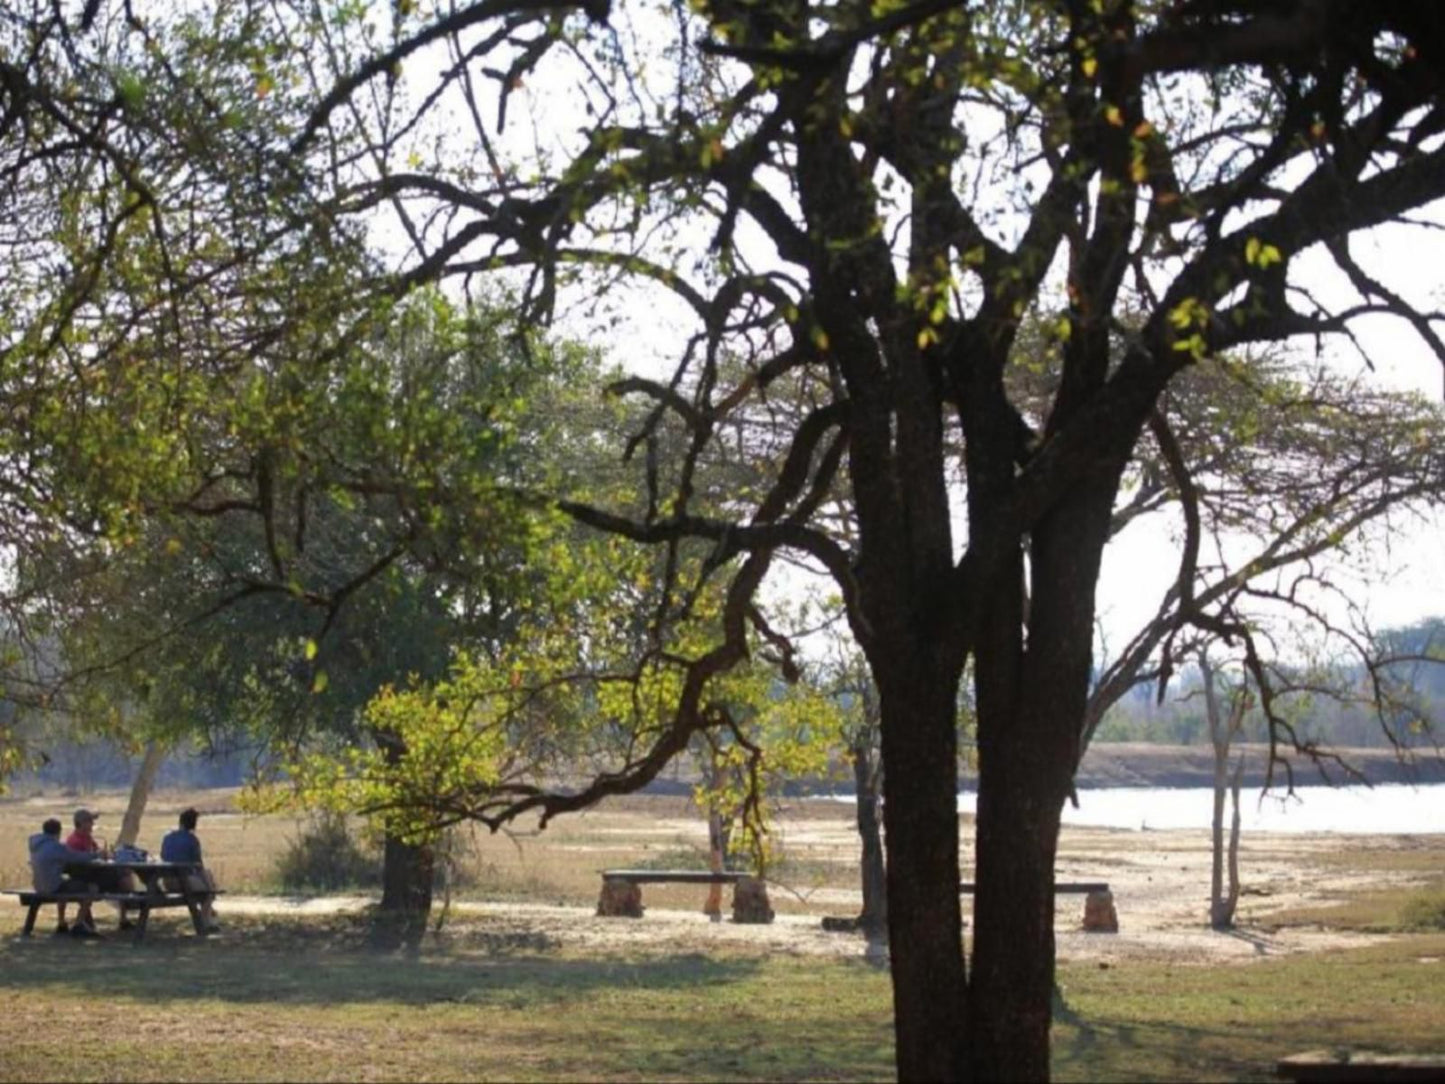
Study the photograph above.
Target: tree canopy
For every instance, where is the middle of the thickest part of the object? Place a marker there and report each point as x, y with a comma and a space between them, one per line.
861, 207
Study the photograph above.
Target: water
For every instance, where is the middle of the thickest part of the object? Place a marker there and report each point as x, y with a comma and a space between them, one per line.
1390, 809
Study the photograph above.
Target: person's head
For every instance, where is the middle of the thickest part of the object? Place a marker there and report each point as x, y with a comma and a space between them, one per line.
188, 819
51, 827
85, 819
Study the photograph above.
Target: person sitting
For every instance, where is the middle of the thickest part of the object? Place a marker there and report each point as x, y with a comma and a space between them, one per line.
182, 845
49, 858
107, 880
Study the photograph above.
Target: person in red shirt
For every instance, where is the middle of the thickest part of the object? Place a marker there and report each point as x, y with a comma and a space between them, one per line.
106, 880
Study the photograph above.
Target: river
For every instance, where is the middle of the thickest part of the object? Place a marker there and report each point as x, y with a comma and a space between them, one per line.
1390, 808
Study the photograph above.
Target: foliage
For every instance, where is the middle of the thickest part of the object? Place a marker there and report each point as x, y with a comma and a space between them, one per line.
325, 856
893, 194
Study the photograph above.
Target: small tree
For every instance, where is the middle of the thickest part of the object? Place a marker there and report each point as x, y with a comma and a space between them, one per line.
1226, 723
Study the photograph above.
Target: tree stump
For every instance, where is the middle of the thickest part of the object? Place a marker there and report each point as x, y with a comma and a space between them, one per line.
750, 902
1099, 913
620, 899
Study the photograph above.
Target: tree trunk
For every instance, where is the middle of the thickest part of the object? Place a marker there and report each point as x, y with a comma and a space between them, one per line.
920, 813
1219, 918
140, 792
1232, 900
867, 779
1032, 691
717, 853
1223, 900
408, 871
407, 874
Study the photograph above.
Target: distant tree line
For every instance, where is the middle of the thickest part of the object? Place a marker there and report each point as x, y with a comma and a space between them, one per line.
1346, 716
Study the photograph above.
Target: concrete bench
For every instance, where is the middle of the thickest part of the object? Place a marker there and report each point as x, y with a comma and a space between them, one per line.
622, 891
1099, 913
142, 903
1330, 1067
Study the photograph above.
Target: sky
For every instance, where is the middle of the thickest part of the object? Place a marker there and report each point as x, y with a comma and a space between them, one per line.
1402, 581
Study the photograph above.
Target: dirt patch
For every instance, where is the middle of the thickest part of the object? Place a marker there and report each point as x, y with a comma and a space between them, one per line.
549, 881
1159, 880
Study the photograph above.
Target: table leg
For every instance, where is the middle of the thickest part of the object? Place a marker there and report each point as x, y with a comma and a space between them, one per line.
193, 905
140, 926
30, 919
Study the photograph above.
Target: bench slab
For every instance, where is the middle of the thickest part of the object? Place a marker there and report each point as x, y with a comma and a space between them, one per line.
1327, 1067
677, 876
622, 891
1080, 887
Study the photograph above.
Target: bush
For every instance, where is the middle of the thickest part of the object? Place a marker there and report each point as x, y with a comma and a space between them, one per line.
326, 857
1424, 910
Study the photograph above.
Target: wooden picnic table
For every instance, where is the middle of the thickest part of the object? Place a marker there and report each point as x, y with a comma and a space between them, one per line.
164, 884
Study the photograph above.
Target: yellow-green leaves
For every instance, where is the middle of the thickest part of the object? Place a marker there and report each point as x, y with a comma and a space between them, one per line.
1189, 319
1260, 254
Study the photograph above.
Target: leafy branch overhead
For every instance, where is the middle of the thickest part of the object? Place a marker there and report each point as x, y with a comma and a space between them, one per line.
830, 242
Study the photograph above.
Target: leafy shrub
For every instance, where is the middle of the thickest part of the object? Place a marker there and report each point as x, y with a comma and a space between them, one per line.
325, 856
1424, 910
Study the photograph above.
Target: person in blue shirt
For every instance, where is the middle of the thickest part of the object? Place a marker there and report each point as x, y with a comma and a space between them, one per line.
181, 845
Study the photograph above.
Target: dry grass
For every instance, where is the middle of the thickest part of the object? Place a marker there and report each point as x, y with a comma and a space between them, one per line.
816, 846
502, 996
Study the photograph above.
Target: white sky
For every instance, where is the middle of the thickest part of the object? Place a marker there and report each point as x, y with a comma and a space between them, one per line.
1405, 580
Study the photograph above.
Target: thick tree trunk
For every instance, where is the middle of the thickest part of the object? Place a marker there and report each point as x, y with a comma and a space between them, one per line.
140, 792
920, 813
407, 875
867, 778
408, 872
1031, 698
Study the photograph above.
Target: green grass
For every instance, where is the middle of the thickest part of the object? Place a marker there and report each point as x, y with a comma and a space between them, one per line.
293, 1001
1425, 910
307, 1000
1156, 1022
1383, 910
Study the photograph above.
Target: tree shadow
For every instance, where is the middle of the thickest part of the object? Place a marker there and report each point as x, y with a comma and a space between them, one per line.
1258, 941
285, 966
1117, 1050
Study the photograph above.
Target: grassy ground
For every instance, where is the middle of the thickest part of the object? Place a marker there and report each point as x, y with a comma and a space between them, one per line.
1153, 1022
293, 1000
285, 997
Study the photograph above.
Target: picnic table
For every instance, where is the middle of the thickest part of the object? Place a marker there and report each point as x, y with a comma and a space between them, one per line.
164, 884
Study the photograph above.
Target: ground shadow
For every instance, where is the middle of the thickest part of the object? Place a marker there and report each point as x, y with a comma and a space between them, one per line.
282, 963
1104, 1049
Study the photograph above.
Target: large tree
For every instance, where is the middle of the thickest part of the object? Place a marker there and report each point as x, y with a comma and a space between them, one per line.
870, 200
864, 204
888, 193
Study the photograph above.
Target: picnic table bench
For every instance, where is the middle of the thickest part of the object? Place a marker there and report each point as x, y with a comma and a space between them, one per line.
156, 877
622, 891
1099, 913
